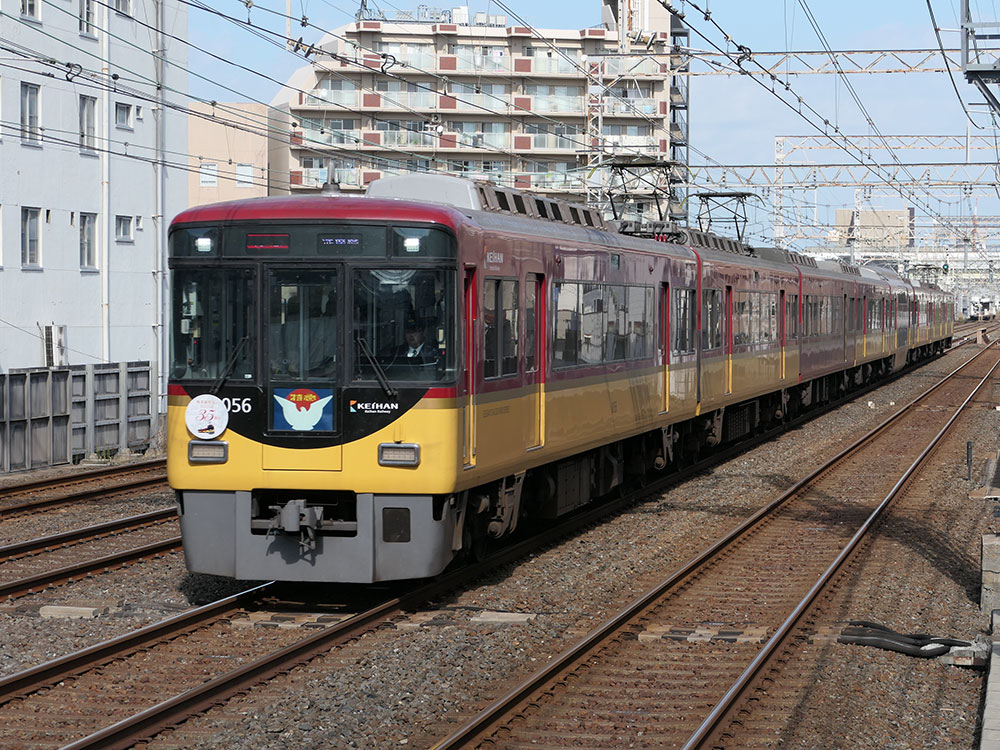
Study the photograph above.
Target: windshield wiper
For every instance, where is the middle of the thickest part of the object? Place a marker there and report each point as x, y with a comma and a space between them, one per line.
230, 363
380, 375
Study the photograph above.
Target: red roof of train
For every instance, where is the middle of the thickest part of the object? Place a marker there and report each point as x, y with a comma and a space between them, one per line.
319, 207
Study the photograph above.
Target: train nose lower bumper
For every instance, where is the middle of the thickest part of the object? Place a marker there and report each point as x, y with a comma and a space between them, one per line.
396, 537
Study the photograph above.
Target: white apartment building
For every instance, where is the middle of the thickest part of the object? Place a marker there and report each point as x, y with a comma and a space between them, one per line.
437, 90
91, 174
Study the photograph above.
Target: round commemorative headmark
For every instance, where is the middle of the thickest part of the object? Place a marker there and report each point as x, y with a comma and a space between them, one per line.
206, 416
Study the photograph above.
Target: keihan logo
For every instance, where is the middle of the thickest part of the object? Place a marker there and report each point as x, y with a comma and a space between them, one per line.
372, 407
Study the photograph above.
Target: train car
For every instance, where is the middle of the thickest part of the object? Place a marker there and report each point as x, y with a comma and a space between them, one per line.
363, 389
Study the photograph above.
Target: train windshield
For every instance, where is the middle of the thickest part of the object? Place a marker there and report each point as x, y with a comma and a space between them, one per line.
404, 324
213, 315
302, 325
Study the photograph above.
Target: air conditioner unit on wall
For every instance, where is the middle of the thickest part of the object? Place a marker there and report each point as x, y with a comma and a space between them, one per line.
54, 342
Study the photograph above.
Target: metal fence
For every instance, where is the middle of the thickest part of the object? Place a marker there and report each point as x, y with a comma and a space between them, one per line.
51, 416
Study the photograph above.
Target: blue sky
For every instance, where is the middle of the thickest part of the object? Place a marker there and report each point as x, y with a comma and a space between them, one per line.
732, 120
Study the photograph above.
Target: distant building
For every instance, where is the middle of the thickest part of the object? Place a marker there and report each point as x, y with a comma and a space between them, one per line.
91, 175
228, 161
438, 90
876, 229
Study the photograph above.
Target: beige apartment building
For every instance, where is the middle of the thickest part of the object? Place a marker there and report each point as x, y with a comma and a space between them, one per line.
570, 112
228, 143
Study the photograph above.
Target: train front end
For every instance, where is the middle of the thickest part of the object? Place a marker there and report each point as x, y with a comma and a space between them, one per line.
313, 432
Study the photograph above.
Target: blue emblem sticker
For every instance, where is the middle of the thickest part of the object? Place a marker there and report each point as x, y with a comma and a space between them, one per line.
302, 409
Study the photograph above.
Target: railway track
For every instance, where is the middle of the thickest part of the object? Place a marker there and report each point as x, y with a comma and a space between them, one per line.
91, 680
30, 497
677, 666
30, 566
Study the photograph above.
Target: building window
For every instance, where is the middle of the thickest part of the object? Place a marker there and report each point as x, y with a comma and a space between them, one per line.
29, 8
30, 228
123, 115
123, 228
87, 17
124, 7
88, 240
31, 131
244, 175
209, 175
88, 123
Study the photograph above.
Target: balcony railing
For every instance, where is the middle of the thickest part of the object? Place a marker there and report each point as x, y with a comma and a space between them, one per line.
629, 106
312, 137
483, 63
480, 101
484, 140
347, 176
407, 138
555, 181
322, 97
560, 142
426, 61
557, 103
646, 143
554, 64
409, 99
617, 66
316, 177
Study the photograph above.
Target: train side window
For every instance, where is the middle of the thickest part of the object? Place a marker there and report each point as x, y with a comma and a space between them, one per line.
769, 317
566, 344
711, 319
509, 304
500, 307
791, 317
683, 320
639, 322
593, 304
741, 318
615, 335
491, 288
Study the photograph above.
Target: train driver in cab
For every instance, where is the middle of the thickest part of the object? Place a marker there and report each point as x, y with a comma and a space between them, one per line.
416, 352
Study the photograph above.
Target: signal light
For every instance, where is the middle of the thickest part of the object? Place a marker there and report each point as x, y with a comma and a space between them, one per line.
945, 268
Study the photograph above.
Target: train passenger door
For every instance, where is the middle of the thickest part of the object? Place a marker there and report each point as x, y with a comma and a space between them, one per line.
665, 345
843, 323
534, 359
727, 333
471, 358
781, 329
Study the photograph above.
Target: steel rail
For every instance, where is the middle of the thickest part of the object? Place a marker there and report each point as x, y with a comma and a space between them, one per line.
31, 583
56, 670
83, 476
82, 496
66, 537
711, 727
478, 725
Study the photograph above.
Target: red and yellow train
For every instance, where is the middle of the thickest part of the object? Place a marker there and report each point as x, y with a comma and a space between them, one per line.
362, 388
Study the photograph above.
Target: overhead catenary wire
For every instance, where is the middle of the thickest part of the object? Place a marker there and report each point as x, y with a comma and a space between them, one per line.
864, 159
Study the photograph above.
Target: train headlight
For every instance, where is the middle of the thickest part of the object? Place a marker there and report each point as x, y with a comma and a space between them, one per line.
398, 454
208, 452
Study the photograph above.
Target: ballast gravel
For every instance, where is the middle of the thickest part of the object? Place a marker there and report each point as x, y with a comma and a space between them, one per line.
405, 684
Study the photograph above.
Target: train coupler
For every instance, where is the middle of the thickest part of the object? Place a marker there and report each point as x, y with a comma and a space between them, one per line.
295, 517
